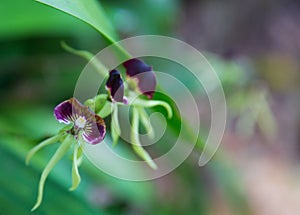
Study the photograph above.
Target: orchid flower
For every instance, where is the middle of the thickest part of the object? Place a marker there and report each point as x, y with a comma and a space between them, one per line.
82, 126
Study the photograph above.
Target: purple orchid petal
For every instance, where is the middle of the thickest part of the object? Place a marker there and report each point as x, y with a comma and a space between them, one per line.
115, 86
95, 130
92, 125
64, 112
146, 79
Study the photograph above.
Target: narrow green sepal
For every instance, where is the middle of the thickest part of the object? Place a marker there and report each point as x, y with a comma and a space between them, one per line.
142, 153
41, 145
115, 126
136, 145
146, 122
60, 152
153, 103
88, 56
75, 173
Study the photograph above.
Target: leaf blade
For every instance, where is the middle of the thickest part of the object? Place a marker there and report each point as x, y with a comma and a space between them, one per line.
88, 11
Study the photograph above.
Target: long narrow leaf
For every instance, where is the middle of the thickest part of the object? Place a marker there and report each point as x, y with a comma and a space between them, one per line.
89, 11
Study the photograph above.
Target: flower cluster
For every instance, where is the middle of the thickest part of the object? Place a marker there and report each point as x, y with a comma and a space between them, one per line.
140, 78
85, 124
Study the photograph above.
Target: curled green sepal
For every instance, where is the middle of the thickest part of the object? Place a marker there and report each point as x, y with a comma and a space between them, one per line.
153, 103
115, 127
136, 145
101, 69
106, 109
38, 147
60, 152
96, 103
146, 121
76, 162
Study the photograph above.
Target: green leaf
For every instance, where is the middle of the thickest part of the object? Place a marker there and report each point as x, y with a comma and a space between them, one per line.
89, 11
25, 18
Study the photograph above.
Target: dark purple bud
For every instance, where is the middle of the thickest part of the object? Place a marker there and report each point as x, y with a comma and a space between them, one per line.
115, 86
143, 74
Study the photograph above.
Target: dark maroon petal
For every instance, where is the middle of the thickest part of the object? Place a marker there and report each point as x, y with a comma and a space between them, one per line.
95, 130
115, 86
65, 112
146, 80
135, 66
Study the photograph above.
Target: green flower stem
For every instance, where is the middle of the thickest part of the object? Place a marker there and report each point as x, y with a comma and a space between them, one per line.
136, 145
153, 103
44, 143
60, 152
75, 173
146, 121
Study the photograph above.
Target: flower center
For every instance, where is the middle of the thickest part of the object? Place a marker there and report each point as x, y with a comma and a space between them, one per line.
80, 122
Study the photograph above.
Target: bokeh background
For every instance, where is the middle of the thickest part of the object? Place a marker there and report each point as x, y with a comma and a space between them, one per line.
254, 46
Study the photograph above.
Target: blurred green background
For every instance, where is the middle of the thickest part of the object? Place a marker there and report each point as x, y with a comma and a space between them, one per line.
253, 46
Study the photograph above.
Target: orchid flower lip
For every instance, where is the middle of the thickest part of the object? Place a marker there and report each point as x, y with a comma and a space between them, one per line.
85, 122
80, 122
